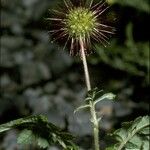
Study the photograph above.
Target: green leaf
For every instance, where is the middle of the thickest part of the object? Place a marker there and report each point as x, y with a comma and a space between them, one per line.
38, 129
25, 137
145, 131
108, 96
96, 95
133, 135
129, 57
42, 143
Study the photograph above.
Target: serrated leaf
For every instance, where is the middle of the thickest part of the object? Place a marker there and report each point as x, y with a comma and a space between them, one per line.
145, 131
145, 145
130, 135
131, 145
25, 137
38, 129
42, 143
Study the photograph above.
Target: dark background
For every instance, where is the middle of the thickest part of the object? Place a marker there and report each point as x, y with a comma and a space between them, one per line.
37, 77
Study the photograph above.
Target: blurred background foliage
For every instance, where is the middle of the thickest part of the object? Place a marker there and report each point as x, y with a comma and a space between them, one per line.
37, 77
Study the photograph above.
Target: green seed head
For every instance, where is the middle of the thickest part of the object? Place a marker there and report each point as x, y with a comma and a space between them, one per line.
80, 22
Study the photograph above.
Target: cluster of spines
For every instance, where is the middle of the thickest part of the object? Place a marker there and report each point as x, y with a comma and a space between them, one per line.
64, 29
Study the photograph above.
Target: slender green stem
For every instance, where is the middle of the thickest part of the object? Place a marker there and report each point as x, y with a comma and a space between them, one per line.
95, 126
94, 119
86, 71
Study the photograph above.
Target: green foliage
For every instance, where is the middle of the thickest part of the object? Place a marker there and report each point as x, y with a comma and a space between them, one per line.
138, 4
133, 135
25, 137
38, 129
132, 57
38, 77
95, 95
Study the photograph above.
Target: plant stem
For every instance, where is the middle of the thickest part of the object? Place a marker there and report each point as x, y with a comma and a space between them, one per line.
94, 119
95, 126
86, 71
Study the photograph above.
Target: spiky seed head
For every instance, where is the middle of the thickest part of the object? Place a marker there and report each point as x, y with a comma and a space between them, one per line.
80, 20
